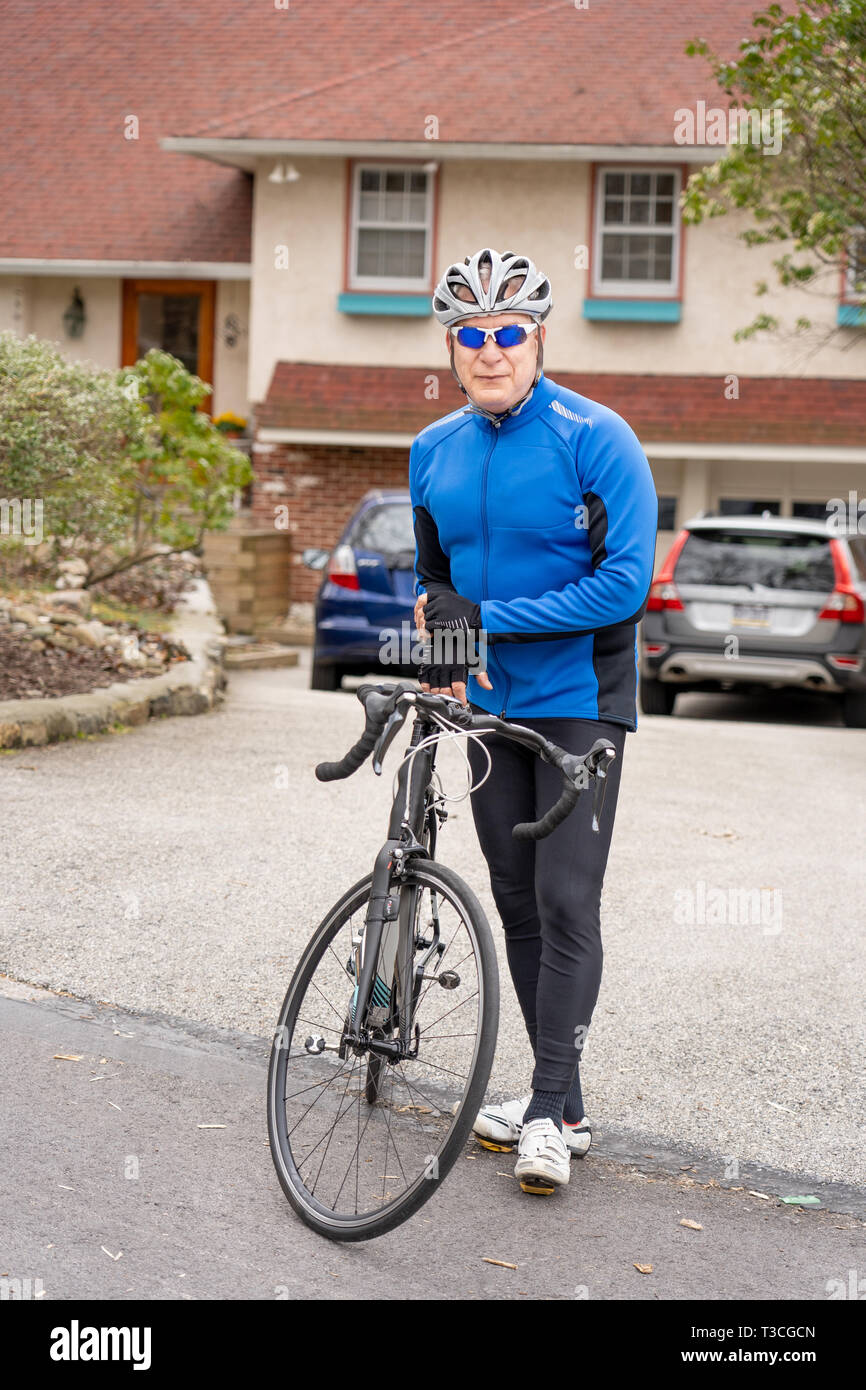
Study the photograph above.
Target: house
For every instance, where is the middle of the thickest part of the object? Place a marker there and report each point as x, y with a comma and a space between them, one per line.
271, 191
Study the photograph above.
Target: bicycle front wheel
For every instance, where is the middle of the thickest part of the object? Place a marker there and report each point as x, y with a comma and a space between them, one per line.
357, 1154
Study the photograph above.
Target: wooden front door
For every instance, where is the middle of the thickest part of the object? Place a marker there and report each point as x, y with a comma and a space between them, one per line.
175, 315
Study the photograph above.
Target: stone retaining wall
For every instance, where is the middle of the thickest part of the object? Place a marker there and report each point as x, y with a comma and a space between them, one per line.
189, 687
248, 569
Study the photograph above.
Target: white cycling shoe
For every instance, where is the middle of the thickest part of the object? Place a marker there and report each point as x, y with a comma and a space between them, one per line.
498, 1127
542, 1158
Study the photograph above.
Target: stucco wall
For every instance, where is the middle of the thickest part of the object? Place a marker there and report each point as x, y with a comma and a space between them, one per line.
36, 304
231, 363
542, 208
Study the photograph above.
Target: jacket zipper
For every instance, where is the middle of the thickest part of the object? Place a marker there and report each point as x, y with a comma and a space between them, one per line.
503, 673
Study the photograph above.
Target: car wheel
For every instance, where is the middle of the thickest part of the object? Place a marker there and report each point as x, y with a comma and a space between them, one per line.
326, 676
854, 709
656, 697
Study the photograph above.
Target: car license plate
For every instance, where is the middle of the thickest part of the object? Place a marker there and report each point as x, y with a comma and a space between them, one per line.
751, 615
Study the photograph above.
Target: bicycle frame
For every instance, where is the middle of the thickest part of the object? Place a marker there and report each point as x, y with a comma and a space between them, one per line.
390, 913
389, 923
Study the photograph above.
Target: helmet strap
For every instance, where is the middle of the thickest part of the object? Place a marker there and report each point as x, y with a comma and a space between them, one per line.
540, 360
518, 405
454, 372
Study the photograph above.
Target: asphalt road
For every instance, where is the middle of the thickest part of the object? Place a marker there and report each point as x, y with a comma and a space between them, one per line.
111, 1190
179, 868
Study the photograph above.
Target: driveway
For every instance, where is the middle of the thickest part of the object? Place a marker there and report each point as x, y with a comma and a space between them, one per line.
179, 868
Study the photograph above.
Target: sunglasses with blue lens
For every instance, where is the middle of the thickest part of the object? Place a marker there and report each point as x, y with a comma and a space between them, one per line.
511, 335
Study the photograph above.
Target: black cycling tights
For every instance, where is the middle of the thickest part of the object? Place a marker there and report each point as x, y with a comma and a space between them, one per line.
548, 891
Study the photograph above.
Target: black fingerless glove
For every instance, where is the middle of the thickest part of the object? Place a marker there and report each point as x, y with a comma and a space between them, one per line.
444, 608
442, 677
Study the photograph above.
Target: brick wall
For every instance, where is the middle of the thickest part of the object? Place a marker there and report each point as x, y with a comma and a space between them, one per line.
321, 486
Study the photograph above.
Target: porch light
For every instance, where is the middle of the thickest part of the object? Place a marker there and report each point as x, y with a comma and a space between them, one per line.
76, 315
283, 173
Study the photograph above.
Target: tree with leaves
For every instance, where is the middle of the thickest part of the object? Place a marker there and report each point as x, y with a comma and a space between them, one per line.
808, 63
125, 463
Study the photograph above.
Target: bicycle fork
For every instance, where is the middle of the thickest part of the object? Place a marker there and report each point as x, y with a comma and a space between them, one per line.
384, 954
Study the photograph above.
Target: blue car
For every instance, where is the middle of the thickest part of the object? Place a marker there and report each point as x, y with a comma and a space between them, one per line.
368, 588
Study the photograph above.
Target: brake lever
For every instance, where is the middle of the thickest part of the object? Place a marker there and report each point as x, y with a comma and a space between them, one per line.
395, 721
598, 760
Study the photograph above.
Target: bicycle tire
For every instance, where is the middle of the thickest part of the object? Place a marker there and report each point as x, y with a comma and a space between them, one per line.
366, 1226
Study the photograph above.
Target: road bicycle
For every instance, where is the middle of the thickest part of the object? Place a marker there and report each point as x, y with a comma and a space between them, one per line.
385, 1040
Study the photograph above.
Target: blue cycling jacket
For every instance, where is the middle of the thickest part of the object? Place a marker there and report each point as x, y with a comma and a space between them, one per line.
547, 519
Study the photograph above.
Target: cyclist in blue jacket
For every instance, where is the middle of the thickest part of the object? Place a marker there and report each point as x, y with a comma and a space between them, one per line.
535, 519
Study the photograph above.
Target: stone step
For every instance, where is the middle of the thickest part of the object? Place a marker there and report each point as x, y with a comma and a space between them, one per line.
289, 635
255, 656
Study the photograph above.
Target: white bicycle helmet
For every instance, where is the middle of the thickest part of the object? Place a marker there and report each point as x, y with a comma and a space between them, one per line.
490, 280
493, 284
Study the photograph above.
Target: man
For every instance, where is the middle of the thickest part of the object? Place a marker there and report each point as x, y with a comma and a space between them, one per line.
535, 521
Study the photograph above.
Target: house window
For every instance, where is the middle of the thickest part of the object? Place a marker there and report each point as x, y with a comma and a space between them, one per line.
637, 232
391, 235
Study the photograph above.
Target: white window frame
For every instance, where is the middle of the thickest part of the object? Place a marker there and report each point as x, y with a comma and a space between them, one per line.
851, 295
390, 282
635, 289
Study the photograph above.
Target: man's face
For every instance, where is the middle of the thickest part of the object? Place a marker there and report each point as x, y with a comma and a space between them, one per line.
497, 378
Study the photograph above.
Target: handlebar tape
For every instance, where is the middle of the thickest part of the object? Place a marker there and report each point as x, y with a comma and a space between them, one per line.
376, 715
536, 830
330, 772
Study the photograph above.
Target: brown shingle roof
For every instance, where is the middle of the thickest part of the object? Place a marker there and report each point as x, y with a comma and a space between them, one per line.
770, 410
612, 74
71, 185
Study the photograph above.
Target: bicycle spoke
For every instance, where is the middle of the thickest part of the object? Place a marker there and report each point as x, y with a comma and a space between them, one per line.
467, 1000
413, 1109
315, 1084
332, 1133
327, 1001
356, 1153
396, 1151
329, 1133
434, 1105
438, 969
343, 1168
390, 1136
420, 1062
317, 1023
341, 964
326, 1087
437, 1037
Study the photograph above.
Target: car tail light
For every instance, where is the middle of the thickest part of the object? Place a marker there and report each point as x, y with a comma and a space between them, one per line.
342, 569
663, 591
655, 648
844, 604
845, 663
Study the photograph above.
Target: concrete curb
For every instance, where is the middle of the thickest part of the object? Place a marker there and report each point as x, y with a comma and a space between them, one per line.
189, 687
